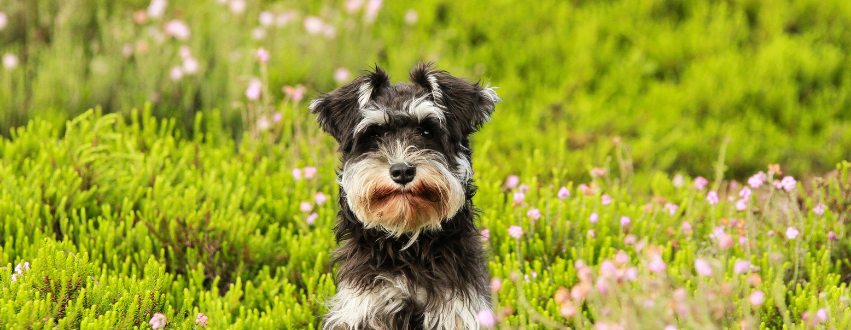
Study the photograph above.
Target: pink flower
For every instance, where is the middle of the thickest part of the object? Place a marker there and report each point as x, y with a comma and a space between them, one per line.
21, 268
353, 5
831, 236
258, 33
687, 227
631, 274
184, 52
791, 233
329, 31
745, 193
621, 257
285, 18
741, 205
305, 207
158, 321
176, 73
201, 320
14, 277
741, 267
602, 285
625, 221
670, 327
311, 219
486, 234
819, 209
342, 75
563, 193
262, 55
757, 298
411, 17
512, 181
657, 265
297, 174
190, 65
295, 93
593, 218
608, 269
777, 184
678, 181
309, 172
700, 182
702, 267
606, 199
523, 188
319, 198
672, 208
313, 25
519, 197
371, 12
5, 20
156, 8
597, 172
263, 123
725, 241
253, 90
788, 183
177, 28
237, 6
277, 117
757, 180
496, 284
712, 198
266, 18
591, 233
485, 318
515, 231
821, 314
534, 214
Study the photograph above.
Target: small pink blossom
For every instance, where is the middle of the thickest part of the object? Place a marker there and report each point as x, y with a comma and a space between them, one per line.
515, 231
184, 52
702, 267
297, 174
262, 55
295, 93
534, 214
254, 88
788, 183
4, 20
597, 172
519, 197
319, 198
671, 208
512, 181
411, 17
486, 318
263, 123
311, 219
329, 31
309, 172
22, 267
237, 6
831, 236
625, 221
563, 193
313, 25
757, 180
700, 182
176, 73
791, 233
285, 18
631, 274
496, 284
305, 207
266, 18
743, 240
177, 29
657, 265
819, 209
687, 228
745, 193
523, 188
741, 267
670, 327
157, 8
606, 199
342, 75
158, 321
725, 241
821, 314
371, 11
777, 184
712, 198
590, 233
277, 117
593, 218
741, 205
190, 65
353, 5
602, 285
621, 257
14, 277
678, 181
486, 234
201, 320
608, 269
258, 33
757, 298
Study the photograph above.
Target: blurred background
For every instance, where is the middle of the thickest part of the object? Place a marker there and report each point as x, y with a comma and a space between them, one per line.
665, 84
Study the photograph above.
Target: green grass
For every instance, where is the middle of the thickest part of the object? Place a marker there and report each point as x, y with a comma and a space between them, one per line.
188, 206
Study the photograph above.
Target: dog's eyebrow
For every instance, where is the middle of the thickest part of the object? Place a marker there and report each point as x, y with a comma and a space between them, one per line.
422, 108
371, 116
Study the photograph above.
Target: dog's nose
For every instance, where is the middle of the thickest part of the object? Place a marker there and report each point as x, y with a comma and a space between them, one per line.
401, 173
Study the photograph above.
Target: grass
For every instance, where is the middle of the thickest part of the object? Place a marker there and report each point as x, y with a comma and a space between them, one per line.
190, 205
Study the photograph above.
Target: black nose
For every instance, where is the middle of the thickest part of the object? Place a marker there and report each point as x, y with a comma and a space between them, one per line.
401, 173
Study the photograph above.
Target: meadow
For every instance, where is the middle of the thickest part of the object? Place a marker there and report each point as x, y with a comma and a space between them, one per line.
655, 164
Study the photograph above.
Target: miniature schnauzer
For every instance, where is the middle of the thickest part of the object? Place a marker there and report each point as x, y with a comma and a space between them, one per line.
411, 256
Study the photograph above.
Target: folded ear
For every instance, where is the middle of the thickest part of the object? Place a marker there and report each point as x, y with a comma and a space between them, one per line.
339, 111
469, 104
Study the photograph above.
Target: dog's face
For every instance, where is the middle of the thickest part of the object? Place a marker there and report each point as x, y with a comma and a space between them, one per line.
406, 157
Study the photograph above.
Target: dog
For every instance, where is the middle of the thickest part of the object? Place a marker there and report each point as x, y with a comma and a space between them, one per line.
411, 256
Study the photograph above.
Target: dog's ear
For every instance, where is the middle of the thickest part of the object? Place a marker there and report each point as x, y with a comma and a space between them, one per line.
469, 104
339, 111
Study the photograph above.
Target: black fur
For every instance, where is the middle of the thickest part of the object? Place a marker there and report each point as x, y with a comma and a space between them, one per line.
448, 262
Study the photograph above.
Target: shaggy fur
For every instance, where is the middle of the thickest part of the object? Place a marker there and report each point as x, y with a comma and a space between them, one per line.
410, 254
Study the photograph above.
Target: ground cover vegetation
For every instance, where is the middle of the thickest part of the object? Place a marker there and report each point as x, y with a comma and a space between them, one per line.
625, 181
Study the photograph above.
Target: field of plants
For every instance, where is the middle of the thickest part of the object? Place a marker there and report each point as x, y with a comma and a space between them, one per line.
655, 164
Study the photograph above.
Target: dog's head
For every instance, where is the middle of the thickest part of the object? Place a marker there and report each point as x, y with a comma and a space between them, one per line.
406, 156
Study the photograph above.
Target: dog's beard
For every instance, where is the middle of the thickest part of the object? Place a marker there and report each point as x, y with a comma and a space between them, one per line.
435, 193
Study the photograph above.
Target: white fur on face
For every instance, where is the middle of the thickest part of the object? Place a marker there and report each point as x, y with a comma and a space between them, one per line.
354, 310
419, 108
435, 194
